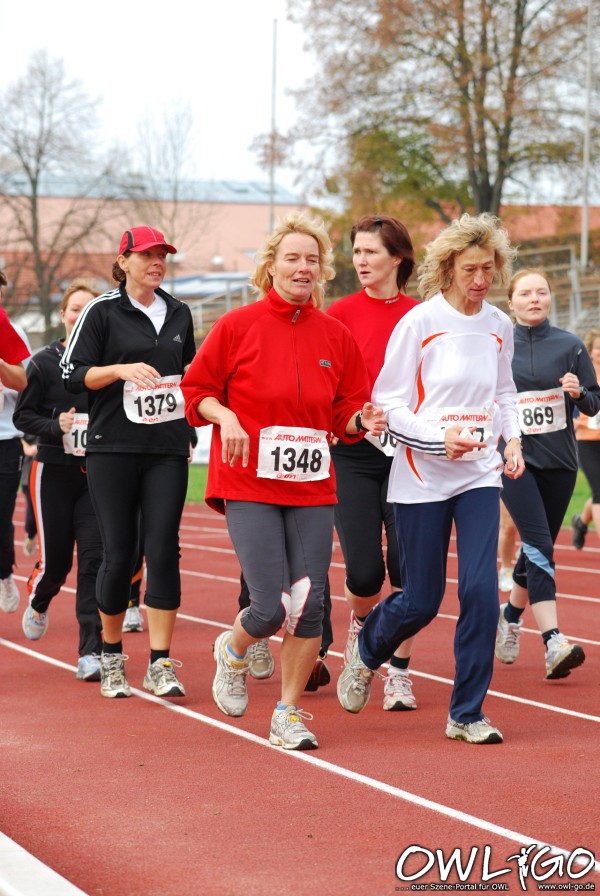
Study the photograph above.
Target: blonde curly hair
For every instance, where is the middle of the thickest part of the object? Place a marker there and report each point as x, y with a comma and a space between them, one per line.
295, 222
485, 231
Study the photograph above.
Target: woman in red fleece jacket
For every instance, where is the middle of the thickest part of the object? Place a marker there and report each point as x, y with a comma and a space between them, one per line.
278, 378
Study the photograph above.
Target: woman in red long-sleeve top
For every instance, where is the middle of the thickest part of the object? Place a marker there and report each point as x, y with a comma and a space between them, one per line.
277, 379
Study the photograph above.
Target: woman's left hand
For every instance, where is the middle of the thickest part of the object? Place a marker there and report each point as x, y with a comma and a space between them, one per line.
373, 418
514, 465
571, 385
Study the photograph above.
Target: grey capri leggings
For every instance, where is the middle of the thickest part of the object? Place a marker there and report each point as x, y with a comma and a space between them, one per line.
285, 553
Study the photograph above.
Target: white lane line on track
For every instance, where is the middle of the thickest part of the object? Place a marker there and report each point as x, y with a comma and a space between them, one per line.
324, 765
235, 581
24, 875
437, 678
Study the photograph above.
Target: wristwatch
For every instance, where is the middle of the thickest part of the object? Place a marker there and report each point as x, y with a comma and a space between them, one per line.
358, 422
582, 392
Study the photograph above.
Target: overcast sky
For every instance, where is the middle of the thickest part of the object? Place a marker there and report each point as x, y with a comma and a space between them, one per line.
138, 58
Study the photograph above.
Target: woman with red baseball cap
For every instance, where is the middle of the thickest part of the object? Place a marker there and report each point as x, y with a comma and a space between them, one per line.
129, 349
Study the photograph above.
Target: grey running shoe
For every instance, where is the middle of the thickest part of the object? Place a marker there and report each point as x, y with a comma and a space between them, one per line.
134, 621
578, 531
112, 675
481, 732
354, 684
561, 657
261, 660
289, 731
229, 685
353, 631
160, 678
88, 668
507, 638
9, 595
35, 625
397, 692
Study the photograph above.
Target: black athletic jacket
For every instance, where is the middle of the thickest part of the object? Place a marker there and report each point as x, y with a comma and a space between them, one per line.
111, 331
42, 401
542, 355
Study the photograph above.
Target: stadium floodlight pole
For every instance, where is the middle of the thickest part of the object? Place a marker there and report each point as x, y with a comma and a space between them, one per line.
273, 133
583, 254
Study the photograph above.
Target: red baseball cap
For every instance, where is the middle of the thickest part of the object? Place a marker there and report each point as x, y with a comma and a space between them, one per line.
138, 239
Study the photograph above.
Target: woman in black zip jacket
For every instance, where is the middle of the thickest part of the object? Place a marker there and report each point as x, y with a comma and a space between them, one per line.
553, 375
129, 350
59, 491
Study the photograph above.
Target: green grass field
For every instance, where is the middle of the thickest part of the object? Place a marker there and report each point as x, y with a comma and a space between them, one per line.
197, 485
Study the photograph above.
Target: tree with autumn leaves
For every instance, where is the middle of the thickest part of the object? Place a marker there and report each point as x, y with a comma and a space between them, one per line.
444, 104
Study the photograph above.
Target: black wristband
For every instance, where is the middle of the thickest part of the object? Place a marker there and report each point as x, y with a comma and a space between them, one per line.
358, 422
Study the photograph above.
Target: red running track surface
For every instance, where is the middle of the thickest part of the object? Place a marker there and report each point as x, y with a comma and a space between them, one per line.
153, 797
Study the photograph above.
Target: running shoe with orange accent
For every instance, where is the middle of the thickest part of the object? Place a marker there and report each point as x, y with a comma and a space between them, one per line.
35, 625
319, 676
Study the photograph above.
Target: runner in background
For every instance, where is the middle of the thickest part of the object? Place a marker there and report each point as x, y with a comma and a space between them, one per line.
276, 378
587, 432
59, 490
129, 350
383, 257
553, 374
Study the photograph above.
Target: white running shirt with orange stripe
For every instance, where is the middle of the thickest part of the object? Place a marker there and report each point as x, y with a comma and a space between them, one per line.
442, 368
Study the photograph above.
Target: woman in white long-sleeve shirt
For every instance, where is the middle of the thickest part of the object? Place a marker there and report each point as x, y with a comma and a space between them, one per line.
447, 391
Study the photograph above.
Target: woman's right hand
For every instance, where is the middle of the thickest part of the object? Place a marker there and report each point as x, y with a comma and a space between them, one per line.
235, 441
458, 444
65, 420
141, 374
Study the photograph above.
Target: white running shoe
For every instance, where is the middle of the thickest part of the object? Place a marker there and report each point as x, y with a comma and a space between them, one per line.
289, 731
9, 595
133, 621
354, 684
561, 657
160, 678
260, 659
113, 682
505, 579
35, 625
507, 638
397, 692
229, 685
481, 732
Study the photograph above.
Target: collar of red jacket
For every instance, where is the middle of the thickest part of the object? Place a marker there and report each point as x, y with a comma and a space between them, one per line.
286, 310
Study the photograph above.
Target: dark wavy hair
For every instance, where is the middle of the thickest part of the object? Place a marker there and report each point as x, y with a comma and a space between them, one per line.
395, 238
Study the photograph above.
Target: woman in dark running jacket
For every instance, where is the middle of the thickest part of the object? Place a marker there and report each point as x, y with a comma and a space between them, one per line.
553, 375
129, 350
59, 489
